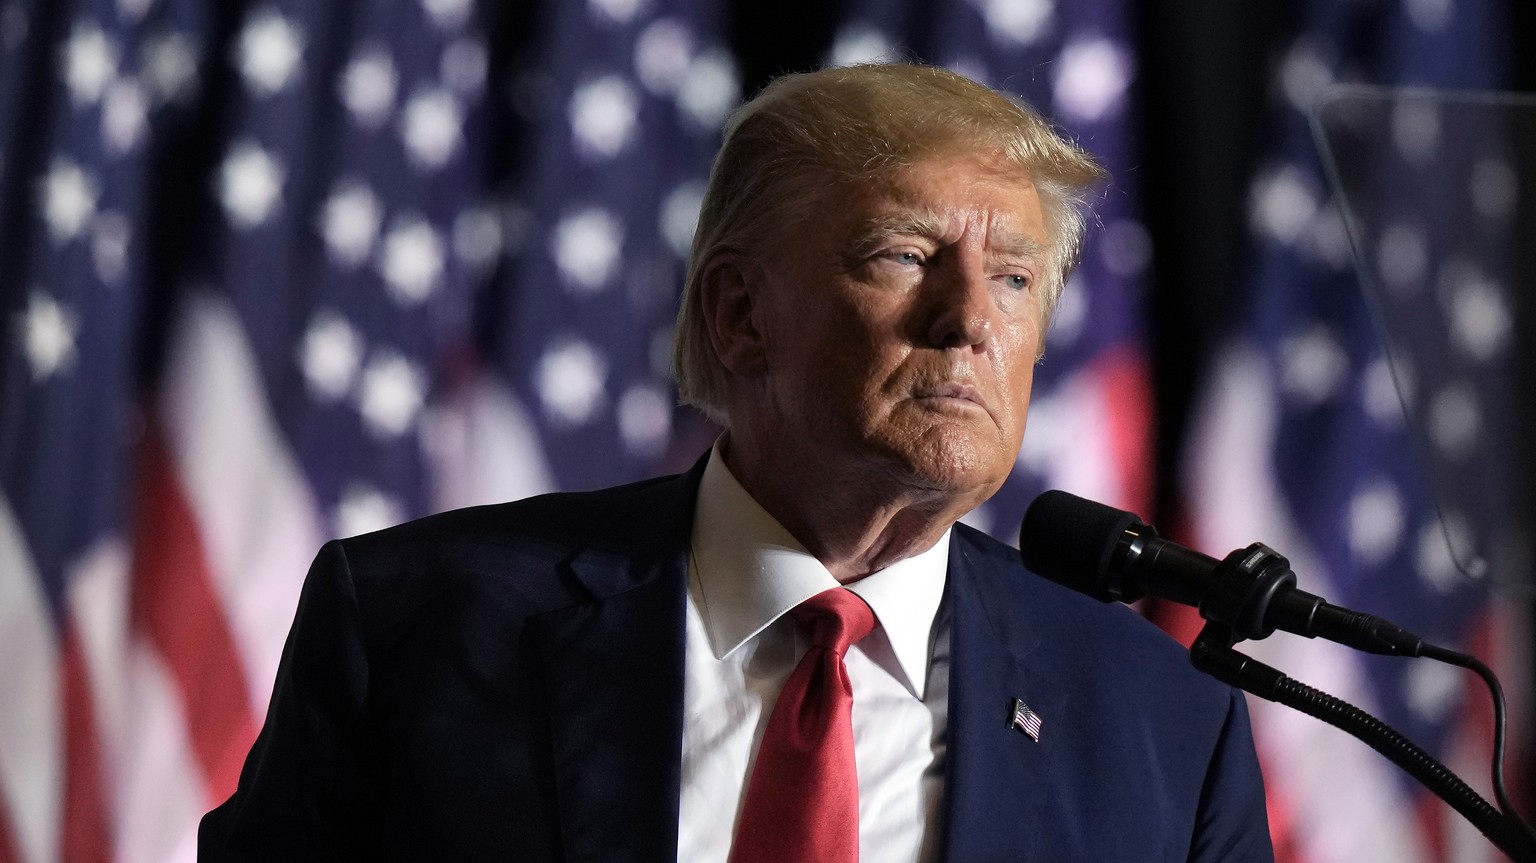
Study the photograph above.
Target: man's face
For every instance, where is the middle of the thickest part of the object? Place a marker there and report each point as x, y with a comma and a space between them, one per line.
901, 326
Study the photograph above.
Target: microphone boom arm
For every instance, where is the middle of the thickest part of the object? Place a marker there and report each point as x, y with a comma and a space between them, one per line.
1212, 653
1112, 555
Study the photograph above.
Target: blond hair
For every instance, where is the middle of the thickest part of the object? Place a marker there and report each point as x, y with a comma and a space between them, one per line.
858, 124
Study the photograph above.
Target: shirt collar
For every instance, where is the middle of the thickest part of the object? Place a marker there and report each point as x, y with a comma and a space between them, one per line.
748, 570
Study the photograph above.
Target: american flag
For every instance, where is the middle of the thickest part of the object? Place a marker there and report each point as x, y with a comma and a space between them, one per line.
1303, 441
273, 271
282, 270
1026, 720
277, 271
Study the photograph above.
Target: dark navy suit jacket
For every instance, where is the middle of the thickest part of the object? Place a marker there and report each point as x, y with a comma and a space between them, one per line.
506, 683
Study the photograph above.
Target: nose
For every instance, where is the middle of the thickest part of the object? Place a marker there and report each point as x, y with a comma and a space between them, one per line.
962, 307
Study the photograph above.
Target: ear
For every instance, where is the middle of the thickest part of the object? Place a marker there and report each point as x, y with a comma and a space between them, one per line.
728, 294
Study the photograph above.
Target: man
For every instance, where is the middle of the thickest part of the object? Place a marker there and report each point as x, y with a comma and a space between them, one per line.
595, 676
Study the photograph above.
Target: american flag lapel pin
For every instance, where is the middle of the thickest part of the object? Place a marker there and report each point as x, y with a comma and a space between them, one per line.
1025, 720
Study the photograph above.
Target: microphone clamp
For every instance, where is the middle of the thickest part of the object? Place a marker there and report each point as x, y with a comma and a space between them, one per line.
1248, 582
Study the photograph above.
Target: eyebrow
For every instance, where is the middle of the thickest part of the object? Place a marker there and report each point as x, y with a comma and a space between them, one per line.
924, 222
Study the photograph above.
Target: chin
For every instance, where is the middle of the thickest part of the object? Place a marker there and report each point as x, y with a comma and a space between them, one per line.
959, 467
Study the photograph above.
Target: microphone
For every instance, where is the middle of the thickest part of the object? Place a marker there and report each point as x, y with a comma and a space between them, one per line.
1112, 555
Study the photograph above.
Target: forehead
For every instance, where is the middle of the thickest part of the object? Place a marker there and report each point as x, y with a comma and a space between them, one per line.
942, 196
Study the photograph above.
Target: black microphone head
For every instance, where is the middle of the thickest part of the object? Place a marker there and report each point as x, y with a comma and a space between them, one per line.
1071, 540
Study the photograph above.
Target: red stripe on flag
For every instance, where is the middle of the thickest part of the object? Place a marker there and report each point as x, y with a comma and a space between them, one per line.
175, 604
1123, 381
8, 852
87, 837
1127, 391
1282, 833
1430, 813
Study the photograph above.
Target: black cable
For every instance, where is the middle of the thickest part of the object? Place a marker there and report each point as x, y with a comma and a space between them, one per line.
1210, 653
1496, 691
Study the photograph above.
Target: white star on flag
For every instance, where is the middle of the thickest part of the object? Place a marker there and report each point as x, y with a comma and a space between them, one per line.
1375, 523
90, 62
571, 378
329, 355
250, 185
586, 248
1092, 79
48, 331
365, 509
477, 236
449, 14
709, 90
1314, 365
1021, 22
680, 216
412, 260
123, 115
349, 222
432, 127
645, 419
69, 200
169, 68
463, 66
368, 86
1480, 318
616, 11
391, 396
111, 234
603, 116
662, 55
861, 43
269, 52
1283, 204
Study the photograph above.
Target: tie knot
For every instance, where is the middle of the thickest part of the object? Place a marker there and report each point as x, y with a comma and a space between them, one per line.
837, 618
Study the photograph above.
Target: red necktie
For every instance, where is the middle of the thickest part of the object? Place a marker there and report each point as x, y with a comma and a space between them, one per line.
802, 803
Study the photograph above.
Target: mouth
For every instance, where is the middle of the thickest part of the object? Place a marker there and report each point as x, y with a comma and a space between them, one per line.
950, 394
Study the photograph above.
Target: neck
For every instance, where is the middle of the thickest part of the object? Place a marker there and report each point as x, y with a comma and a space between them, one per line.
854, 520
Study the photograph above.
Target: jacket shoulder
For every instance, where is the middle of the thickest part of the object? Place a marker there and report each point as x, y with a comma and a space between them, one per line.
1095, 636
612, 516
1139, 731
512, 556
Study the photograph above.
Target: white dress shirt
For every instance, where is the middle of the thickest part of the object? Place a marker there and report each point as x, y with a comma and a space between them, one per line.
745, 572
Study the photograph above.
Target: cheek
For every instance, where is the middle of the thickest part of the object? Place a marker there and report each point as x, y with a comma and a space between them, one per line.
863, 337
1023, 383
1016, 371
1019, 350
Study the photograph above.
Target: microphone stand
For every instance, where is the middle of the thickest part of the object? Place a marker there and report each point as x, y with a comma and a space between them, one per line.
1212, 653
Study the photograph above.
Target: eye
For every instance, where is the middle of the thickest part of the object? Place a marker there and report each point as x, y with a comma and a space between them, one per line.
906, 257
1017, 281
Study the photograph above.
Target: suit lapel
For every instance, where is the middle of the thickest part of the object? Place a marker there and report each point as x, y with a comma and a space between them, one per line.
613, 677
997, 778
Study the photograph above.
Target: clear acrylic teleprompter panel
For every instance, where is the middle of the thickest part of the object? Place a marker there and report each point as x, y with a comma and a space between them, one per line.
1436, 191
